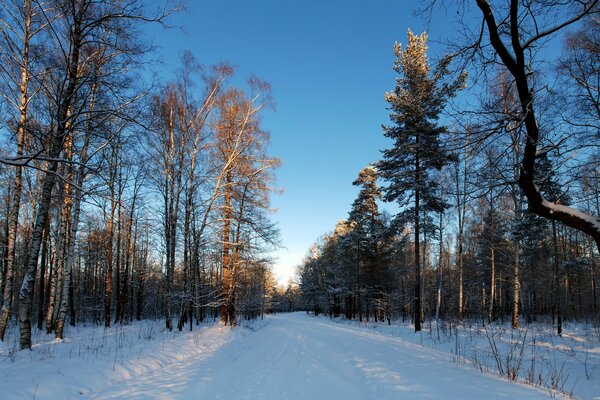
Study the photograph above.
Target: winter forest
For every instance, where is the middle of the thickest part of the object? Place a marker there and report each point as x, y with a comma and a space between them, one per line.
137, 231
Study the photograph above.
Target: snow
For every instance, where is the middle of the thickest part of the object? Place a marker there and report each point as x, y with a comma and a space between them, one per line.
590, 219
287, 356
569, 364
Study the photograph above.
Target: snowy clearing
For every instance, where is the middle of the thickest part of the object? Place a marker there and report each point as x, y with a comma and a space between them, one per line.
288, 356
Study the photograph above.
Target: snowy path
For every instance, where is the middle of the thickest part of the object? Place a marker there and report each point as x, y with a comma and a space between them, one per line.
299, 357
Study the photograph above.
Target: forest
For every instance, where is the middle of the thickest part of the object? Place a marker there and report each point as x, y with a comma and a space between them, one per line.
124, 200
137, 226
496, 199
128, 196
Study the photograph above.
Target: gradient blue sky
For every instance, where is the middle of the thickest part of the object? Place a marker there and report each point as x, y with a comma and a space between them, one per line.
329, 63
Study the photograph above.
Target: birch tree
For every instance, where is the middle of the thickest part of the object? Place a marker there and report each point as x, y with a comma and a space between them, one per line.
20, 23
178, 146
238, 150
74, 25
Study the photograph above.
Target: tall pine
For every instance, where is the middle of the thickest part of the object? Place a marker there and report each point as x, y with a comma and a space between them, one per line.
416, 104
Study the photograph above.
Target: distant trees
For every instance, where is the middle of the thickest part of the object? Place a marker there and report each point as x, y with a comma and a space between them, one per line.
361, 243
351, 271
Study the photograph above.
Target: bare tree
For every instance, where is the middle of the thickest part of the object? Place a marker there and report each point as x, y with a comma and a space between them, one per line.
514, 29
177, 146
73, 26
239, 144
580, 69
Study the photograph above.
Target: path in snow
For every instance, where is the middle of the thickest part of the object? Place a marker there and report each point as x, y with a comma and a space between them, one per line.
300, 357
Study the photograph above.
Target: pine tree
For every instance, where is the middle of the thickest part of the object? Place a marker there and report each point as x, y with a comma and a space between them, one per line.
360, 244
364, 214
416, 104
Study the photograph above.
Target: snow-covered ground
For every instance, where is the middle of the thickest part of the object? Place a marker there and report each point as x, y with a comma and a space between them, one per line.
533, 354
289, 356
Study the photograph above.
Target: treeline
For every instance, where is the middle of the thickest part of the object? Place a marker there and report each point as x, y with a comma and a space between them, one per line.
497, 208
366, 271
123, 201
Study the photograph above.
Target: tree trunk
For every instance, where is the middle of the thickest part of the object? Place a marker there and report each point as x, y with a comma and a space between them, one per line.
490, 315
185, 303
418, 308
226, 280
438, 301
108, 284
73, 200
72, 319
461, 197
70, 231
516, 290
118, 289
26, 293
58, 270
43, 262
492, 245
236, 260
15, 203
557, 292
49, 179
142, 277
4, 246
126, 273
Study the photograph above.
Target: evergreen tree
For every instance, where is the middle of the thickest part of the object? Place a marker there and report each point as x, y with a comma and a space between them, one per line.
416, 104
364, 208
364, 215
360, 244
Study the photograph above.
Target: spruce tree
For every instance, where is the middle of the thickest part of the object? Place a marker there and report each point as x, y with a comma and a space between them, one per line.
416, 104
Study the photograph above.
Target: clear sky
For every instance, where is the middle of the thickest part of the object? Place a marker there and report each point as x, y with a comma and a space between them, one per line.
329, 63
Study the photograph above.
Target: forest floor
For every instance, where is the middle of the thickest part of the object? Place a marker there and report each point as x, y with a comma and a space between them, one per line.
286, 356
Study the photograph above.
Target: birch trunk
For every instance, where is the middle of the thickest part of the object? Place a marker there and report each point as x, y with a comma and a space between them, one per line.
43, 261
49, 179
70, 231
226, 280
75, 204
516, 290
15, 202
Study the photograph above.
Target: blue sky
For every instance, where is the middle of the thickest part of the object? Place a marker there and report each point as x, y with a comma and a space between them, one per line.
329, 64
